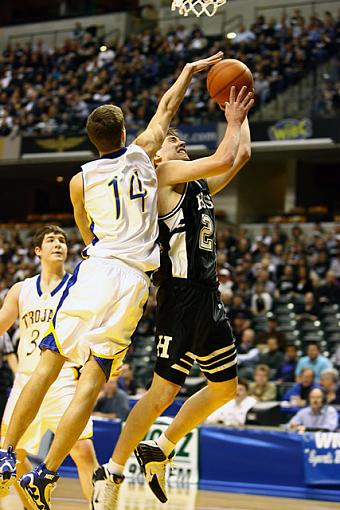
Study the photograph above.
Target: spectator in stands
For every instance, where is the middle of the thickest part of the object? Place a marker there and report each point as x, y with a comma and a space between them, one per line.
303, 283
286, 283
321, 264
273, 356
239, 315
234, 413
261, 301
8, 366
317, 416
309, 310
247, 354
286, 371
126, 381
298, 394
329, 292
112, 402
329, 382
314, 360
262, 277
225, 280
335, 264
272, 330
336, 358
261, 388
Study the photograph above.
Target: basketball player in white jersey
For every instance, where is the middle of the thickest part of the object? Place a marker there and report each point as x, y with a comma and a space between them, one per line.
115, 208
34, 301
195, 322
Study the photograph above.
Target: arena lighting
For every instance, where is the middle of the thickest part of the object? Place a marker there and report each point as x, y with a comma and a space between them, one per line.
231, 35
103, 48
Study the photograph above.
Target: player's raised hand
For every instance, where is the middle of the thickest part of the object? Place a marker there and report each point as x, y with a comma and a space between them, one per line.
237, 108
204, 63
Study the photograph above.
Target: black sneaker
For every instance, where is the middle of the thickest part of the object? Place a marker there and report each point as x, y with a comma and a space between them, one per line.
153, 463
105, 489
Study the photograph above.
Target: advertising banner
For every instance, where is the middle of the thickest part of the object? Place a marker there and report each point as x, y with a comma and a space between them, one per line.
322, 458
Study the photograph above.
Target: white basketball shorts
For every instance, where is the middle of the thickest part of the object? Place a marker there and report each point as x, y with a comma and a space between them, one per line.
98, 313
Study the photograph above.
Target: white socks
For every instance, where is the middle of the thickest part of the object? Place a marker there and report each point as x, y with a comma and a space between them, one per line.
115, 469
165, 445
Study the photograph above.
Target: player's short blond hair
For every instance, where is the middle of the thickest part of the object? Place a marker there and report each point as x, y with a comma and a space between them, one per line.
104, 127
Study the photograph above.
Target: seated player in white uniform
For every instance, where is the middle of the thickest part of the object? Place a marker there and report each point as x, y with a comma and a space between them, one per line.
34, 301
104, 299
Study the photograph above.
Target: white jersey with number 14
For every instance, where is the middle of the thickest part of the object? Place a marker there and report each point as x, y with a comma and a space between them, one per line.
120, 196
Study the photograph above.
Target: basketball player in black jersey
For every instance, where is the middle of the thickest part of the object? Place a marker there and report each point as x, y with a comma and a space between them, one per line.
191, 322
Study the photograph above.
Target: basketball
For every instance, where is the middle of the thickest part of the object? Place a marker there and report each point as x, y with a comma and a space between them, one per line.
224, 75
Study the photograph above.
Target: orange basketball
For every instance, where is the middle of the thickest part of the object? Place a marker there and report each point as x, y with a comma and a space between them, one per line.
224, 75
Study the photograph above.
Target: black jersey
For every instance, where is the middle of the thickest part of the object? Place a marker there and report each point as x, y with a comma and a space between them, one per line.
188, 238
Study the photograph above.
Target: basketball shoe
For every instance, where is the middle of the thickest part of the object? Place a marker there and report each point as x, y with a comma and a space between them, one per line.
38, 486
105, 489
7, 470
153, 463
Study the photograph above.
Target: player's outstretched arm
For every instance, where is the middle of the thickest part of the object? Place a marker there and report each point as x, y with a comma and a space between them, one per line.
10, 309
219, 182
171, 173
153, 137
80, 216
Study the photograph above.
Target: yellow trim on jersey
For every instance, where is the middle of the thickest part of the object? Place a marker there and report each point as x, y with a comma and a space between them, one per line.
102, 355
76, 373
52, 331
88, 436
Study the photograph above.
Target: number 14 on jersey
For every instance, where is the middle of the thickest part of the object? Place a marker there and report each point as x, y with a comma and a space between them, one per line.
136, 192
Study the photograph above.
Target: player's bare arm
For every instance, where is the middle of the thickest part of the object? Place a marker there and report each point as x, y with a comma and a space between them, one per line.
172, 173
9, 311
219, 182
80, 216
152, 138
12, 361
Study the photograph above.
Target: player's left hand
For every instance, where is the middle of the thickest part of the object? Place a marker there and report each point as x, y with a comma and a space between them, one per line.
204, 63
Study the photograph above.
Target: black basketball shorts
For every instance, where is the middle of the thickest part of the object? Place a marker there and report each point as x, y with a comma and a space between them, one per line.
192, 325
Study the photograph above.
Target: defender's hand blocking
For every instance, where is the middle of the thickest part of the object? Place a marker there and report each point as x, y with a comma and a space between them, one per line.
237, 108
204, 63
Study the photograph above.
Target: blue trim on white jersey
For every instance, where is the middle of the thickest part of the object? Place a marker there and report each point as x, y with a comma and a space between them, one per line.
58, 287
95, 239
106, 366
115, 154
70, 284
61, 284
48, 342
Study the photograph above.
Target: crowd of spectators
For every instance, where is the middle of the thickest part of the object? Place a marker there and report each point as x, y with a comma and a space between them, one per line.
328, 97
281, 291
51, 90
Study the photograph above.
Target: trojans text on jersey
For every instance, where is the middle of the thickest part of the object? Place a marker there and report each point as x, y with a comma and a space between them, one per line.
34, 316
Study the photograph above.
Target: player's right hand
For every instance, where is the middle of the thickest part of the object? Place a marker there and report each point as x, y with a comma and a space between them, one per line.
201, 65
237, 108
